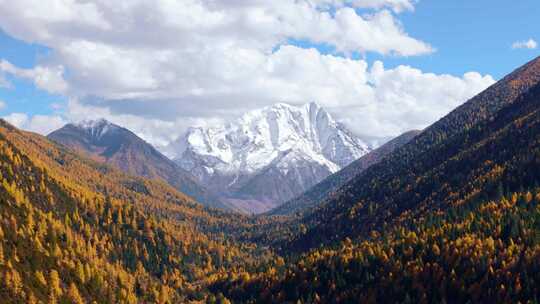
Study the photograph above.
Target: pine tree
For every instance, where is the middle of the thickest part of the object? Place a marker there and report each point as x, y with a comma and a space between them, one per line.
54, 284
15, 282
41, 278
1, 254
73, 295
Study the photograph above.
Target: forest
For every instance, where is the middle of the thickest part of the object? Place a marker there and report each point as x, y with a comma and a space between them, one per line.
451, 217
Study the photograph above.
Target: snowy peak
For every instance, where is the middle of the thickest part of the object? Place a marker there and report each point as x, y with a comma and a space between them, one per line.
280, 137
96, 128
91, 124
255, 139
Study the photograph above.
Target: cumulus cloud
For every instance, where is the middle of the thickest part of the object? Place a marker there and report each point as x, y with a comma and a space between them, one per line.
49, 78
396, 5
407, 98
17, 119
526, 44
159, 67
168, 25
42, 124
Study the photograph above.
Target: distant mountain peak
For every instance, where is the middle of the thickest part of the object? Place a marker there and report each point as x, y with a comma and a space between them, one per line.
96, 128
118, 146
279, 141
93, 123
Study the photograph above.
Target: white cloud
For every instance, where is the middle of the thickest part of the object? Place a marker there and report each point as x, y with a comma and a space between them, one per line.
158, 68
42, 124
17, 119
48, 78
527, 44
396, 5
378, 32
372, 101
2, 105
407, 98
169, 25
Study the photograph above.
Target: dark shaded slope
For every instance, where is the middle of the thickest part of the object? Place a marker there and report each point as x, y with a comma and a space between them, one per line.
120, 147
316, 194
465, 154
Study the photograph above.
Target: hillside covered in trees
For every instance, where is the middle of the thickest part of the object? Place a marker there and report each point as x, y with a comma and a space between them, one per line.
75, 231
452, 216
488, 141
483, 252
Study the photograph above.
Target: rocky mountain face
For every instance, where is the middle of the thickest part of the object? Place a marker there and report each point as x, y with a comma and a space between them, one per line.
268, 156
316, 195
117, 146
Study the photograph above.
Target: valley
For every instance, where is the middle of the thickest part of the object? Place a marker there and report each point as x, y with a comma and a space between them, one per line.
451, 213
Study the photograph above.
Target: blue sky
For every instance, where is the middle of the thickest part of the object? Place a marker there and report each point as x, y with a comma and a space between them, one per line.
472, 35
467, 35
23, 96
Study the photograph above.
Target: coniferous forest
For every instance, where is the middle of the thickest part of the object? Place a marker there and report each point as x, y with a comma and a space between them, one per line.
452, 216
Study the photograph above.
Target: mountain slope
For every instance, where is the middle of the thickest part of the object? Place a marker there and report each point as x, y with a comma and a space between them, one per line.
74, 230
466, 154
316, 194
485, 252
117, 146
269, 155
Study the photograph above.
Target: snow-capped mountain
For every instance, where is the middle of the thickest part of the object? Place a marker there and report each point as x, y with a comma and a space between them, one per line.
269, 155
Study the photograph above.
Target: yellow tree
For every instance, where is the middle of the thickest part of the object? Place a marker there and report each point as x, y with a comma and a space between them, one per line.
54, 283
74, 295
